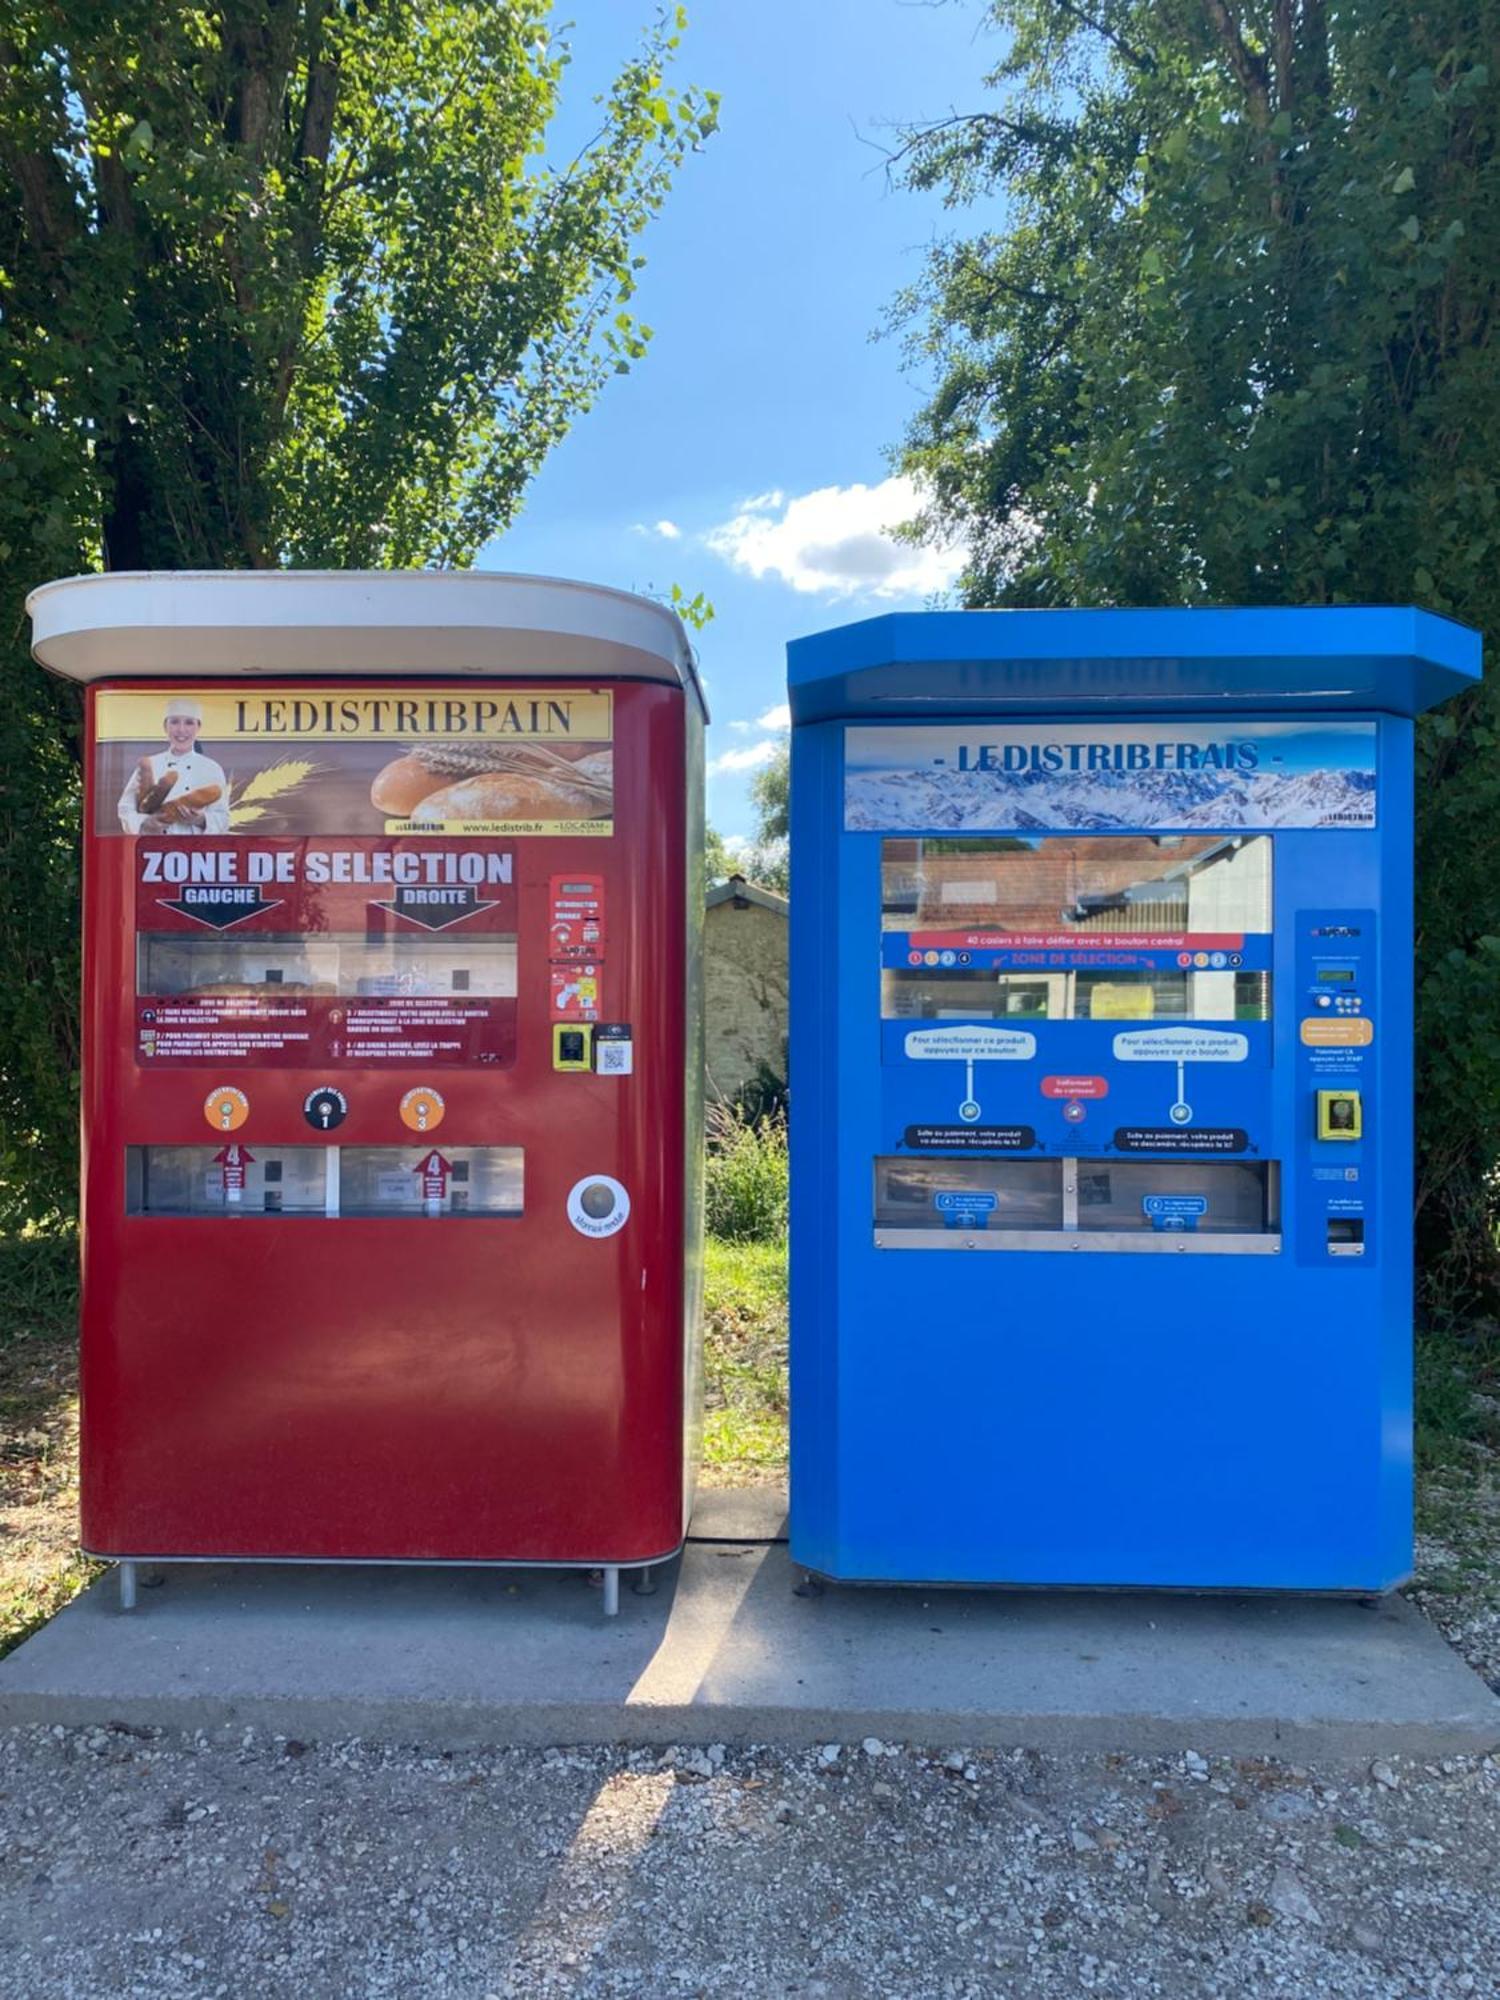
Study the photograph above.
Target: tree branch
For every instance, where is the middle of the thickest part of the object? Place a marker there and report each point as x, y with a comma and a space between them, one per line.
978, 122
48, 203
1140, 59
1249, 68
1284, 37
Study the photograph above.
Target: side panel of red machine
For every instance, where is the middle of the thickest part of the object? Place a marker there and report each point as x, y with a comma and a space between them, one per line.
418, 1386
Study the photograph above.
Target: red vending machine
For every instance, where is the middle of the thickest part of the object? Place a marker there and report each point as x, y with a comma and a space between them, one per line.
392, 1068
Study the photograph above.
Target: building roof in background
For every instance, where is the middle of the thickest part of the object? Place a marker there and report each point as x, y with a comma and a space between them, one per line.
745, 895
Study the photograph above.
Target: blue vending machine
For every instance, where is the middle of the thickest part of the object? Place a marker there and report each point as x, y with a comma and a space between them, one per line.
1101, 1064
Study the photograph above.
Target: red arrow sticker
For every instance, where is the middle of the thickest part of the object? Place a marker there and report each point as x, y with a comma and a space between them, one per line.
231, 1162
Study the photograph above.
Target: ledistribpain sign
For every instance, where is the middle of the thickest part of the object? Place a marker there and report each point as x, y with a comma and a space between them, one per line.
505, 761
1138, 777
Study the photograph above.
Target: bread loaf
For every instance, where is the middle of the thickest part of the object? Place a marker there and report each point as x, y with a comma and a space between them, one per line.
187, 803
403, 785
503, 780
508, 795
151, 793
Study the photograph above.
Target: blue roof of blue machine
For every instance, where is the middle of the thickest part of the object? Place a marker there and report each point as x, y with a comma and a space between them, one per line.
1397, 660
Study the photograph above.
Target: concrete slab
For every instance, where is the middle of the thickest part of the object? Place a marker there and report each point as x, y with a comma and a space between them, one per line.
726, 1651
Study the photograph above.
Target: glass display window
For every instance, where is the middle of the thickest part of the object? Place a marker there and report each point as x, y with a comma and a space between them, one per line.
401, 1180
227, 1180
263, 965
1209, 1197
915, 1193
1112, 927
948, 1202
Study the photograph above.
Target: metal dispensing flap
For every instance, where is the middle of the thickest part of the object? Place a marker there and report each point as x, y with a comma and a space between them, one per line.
1393, 659
165, 624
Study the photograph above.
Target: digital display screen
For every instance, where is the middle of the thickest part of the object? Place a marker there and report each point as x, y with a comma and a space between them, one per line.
1336, 975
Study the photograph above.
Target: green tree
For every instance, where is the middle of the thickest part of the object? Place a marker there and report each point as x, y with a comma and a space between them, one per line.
1230, 333
771, 795
288, 281
718, 865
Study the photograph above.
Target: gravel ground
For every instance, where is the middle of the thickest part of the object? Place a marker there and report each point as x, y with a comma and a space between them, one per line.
150, 1866
1458, 1562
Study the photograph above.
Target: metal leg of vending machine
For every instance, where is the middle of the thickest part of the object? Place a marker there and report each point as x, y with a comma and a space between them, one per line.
612, 1591
127, 1586
645, 1582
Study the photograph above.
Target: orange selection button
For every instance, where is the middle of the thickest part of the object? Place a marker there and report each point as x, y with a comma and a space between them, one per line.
1351, 1031
226, 1108
422, 1109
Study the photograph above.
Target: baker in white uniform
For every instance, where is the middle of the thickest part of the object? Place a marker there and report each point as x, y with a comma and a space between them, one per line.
189, 771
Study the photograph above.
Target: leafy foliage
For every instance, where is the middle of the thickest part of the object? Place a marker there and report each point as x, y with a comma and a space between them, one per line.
747, 1177
718, 863
1235, 340
771, 795
285, 282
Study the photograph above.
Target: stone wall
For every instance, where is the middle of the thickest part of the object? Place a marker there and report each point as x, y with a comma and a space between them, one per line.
745, 980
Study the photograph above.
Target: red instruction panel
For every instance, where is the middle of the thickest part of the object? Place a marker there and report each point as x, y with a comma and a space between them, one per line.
293, 953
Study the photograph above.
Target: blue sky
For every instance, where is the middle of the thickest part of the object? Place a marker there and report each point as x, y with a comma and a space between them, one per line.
775, 260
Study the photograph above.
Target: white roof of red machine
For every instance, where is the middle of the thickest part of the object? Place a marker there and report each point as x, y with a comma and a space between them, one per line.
213, 624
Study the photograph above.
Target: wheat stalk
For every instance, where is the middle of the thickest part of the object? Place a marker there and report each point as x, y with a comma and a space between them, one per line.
274, 780
463, 760
283, 776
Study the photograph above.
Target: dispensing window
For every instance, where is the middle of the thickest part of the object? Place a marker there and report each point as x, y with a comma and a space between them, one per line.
1116, 927
950, 1203
962, 1197
427, 1180
1176, 1198
233, 1180
227, 1180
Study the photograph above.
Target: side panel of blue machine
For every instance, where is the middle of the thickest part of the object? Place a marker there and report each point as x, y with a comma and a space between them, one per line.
813, 1051
1105, 1418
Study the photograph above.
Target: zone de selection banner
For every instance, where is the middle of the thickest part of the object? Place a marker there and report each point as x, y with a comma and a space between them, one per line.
506, 761
1168, 777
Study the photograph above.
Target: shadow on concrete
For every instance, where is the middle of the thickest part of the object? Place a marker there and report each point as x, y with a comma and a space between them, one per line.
727, 1651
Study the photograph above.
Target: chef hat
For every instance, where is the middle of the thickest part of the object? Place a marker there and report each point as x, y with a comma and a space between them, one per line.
183, 705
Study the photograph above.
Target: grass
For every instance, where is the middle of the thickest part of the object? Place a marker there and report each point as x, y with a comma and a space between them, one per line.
1456, 1391
747, 1177
745, 1423
744, 1431
40, 1566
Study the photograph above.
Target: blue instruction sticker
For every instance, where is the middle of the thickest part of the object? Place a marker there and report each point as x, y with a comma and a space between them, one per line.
979, 1200
965, 1208
1174, 1211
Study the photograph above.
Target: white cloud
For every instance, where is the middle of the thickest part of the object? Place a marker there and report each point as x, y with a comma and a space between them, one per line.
667, 530
779, 717
836, 542
751, 758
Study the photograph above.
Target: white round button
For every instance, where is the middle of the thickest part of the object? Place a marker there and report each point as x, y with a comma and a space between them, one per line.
598, 1205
